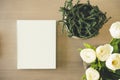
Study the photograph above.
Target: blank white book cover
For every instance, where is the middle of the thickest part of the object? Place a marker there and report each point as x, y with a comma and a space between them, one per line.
36, 44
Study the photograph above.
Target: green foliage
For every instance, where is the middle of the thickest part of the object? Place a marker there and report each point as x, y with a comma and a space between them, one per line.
86, 45
84, 77
82, 20
100, 66
116, 45
107, 74
118, 72
89, 46
79, 49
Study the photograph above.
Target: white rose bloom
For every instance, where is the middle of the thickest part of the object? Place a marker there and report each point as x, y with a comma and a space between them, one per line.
115, 30
92, 74
113, 62
88, 55
103, 52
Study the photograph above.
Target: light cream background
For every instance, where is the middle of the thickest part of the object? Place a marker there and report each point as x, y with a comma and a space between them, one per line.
69, 64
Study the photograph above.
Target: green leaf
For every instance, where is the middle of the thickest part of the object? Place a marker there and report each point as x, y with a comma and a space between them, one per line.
117, 72
84, 77
116, 45
80, 49
89, 46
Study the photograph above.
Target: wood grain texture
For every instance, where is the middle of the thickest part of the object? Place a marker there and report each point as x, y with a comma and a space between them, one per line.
69, 64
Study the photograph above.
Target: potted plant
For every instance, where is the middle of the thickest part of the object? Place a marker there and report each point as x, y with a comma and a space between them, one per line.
82, 20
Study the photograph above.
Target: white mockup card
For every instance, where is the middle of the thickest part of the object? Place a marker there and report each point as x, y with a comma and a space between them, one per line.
36, 44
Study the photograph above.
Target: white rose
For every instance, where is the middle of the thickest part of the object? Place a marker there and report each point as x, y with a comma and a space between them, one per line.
113, 62
88, 55
115, 30
103, 52
92, 74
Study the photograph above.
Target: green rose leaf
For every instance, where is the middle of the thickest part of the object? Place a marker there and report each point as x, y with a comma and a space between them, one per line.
116, 45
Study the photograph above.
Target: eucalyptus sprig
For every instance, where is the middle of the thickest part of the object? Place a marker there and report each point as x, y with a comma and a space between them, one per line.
82, 19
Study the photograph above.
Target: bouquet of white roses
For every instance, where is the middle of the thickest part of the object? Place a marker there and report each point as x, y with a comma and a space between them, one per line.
104, 60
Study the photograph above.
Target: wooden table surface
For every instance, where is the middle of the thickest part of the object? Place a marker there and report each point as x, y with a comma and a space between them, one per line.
69, 64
